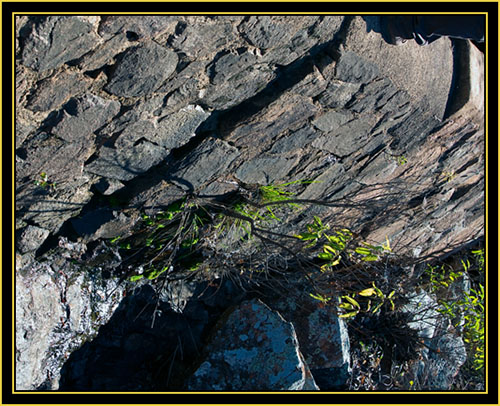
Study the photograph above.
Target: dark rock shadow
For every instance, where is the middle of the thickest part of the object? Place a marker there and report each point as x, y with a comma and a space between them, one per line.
372, 23
145, 346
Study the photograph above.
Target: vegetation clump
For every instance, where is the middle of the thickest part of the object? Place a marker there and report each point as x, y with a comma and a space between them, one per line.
362, 281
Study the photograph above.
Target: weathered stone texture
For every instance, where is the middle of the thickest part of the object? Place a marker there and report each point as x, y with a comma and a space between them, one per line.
126, 164
254, 350
322, 336
83, 116
57, 40
53, 92
142, 70
144, 109
143, 27
210, 158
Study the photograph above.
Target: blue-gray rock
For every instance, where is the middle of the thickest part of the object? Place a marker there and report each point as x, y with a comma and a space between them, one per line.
255, 349
426, 318
210, 159
126, 164
353, 68
58, 307
265, 170
446, 355
56, 40
345, 136
137, 27
444, 352
84, 115
141, 70
192, 39
273, 31
323, 338
177, 128
31, 238
38, 312
53, 92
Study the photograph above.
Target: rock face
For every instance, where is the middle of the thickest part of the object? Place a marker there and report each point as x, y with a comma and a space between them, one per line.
58, 307
142, 70
254, 350
54, 41
118, 116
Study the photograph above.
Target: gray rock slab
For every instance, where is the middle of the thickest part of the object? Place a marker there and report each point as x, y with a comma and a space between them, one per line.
67, 188
294, 141
228, 66
53, 92
84, 115
178, 128
322, 336
380, 96
188, 84
143, 26
254, 349
353, 68
31, 238
38, 311
235, 78
338, 94
126, 163
288, 113
108, 186
265, 170
193, 39
131, 129
328, 181
424, 72
327, 26
332, 120
103, 223
311, 86
346, 138
56, 40
141, 70
104, 53
210, 159
50, 212
273, 31
157, 197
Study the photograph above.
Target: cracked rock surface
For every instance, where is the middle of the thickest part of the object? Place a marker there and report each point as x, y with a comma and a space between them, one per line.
148, 109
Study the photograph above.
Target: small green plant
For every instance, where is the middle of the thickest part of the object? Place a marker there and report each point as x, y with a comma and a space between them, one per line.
466, 313
334, 247
248, 213
44, 182
369, 252
448, 176
401, 160
369, 300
